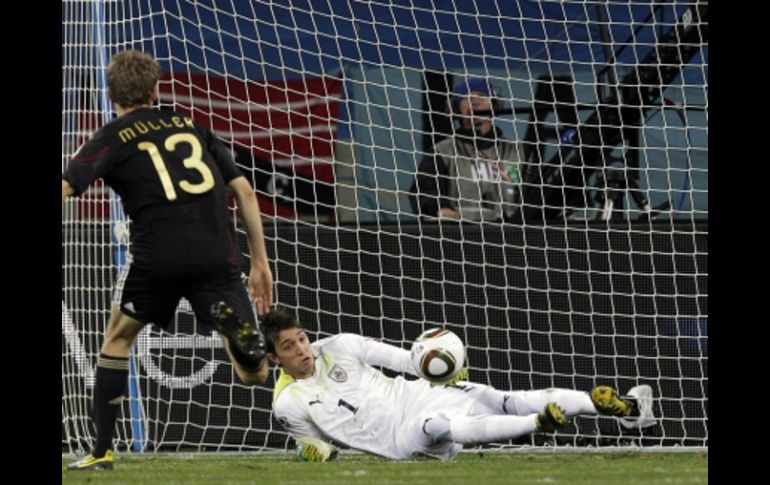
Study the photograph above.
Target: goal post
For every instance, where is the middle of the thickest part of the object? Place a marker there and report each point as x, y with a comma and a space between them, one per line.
599, 277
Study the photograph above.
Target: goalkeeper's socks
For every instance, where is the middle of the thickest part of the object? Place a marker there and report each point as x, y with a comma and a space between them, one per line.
111, 381
487, 429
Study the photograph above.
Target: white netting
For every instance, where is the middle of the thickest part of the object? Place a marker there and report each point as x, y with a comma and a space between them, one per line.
598, 277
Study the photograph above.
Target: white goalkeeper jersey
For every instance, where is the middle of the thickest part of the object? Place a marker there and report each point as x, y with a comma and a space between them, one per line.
350, 403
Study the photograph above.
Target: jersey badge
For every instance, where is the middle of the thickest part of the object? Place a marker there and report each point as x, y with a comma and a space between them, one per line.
338, 374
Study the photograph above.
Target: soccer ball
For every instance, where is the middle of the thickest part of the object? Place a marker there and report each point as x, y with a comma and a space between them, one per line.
438, 355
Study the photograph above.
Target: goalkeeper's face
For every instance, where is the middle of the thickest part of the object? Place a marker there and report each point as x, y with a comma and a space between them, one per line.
293, 353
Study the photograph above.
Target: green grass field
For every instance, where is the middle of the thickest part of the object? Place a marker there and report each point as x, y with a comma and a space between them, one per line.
624, 468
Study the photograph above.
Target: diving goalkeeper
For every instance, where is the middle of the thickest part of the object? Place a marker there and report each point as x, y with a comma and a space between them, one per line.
329, 394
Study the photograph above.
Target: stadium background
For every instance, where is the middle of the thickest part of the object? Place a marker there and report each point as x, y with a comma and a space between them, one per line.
562, 305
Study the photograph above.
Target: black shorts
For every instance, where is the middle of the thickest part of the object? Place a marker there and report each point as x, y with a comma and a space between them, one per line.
150, 293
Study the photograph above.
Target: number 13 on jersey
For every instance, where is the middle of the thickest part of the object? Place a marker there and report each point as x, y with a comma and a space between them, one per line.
193, 162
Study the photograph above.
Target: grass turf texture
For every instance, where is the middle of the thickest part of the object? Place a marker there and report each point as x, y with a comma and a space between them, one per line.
625, 468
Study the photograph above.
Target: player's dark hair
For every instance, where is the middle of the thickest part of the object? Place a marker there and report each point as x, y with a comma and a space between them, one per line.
132, 77
275, 321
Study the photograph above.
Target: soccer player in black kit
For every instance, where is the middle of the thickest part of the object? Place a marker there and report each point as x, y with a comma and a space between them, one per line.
173, 177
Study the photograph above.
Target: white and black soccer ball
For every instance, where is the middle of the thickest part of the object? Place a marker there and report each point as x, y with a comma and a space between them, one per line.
438, 355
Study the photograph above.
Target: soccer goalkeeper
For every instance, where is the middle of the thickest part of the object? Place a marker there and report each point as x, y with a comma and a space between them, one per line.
328, 393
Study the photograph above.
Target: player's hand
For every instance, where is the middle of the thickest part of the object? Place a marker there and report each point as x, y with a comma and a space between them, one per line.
313, 449
261, 286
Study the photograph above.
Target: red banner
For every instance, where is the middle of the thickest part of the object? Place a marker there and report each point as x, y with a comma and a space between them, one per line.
282, 131
287, 128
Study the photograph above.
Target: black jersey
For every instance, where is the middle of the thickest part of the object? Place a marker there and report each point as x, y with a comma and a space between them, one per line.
171, 175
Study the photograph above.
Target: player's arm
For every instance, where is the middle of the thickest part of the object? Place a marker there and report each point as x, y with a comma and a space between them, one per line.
296, 420
260, 283
260, 276
93, 160
384, 355
376, 353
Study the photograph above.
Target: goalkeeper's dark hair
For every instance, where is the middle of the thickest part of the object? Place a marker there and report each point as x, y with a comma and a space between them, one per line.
132, 77
275, 321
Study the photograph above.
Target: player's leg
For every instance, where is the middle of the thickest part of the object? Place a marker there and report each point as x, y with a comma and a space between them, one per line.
427, 433
432, 429
495, 428
142, 294
219, 298
110, 388
489, 400
244, 342
633, 409
608, 401
248, 375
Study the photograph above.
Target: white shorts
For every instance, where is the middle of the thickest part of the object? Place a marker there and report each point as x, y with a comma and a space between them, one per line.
442, 402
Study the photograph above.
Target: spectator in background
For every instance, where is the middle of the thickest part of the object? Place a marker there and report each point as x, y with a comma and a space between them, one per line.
474, 175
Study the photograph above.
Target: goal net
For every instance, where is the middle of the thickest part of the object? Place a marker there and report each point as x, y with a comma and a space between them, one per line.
597, 274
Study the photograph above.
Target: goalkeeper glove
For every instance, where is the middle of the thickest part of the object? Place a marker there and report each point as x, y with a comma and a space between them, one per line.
313, 449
